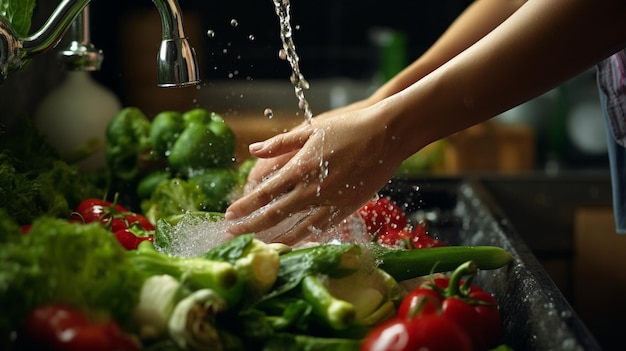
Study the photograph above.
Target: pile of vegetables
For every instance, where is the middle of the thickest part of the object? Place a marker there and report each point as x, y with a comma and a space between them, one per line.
83, 267
243, 294
174, 163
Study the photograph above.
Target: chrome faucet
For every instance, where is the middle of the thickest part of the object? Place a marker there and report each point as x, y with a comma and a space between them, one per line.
176, 59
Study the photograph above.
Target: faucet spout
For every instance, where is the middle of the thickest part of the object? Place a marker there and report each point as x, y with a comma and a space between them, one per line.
176, 61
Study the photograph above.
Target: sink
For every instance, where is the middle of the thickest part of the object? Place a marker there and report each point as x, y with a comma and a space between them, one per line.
461, 211
566, 220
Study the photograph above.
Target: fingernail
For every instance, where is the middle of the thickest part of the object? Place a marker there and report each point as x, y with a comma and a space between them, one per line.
254, 147
229, 215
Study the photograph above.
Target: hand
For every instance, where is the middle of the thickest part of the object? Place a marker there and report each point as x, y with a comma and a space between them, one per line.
324, 171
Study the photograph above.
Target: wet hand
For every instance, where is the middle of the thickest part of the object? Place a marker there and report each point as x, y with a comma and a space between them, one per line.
323, 172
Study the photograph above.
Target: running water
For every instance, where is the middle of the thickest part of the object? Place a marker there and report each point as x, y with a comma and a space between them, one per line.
288, 52
351, 228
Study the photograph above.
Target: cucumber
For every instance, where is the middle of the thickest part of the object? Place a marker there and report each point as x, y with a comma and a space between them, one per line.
407, 264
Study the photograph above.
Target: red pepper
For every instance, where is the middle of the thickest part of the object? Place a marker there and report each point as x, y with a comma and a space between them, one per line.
57, 327
473, 309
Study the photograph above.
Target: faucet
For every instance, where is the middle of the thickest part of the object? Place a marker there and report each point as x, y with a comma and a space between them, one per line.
81, 54
176, 60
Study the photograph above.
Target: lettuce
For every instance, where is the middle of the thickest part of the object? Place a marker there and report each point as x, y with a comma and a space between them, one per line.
57, 261
34, 181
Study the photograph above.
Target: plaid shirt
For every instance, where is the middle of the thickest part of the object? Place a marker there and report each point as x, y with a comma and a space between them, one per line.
612, 87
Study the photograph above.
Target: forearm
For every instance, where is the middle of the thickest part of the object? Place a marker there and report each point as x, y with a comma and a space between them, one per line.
540, 46
475, 22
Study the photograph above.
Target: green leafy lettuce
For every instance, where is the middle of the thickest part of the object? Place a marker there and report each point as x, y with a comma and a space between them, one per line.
34, 181
58, 261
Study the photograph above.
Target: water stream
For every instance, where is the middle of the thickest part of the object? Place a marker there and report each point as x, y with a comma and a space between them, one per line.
288, 52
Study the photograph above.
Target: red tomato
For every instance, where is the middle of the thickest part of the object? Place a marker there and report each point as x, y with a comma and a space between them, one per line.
382, 214
92, 210
129, 240
61, 328
419, 301
133, 218
25, 228
477, 312
433, 332
422, 241
472, 309
113, 217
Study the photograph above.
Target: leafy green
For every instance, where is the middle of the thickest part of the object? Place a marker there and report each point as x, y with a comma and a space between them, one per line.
79, 264
19, 14
35, 182
175, 196
8, 226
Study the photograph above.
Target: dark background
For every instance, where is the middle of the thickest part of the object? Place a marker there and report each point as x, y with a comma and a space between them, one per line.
332, 39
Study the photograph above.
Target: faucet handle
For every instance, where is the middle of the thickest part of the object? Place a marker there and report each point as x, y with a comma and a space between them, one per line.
177, 65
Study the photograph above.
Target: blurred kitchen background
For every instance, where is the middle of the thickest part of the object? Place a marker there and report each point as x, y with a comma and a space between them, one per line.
346, 48
544, 162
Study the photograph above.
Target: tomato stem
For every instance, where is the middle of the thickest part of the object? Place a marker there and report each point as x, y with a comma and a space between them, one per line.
454, 287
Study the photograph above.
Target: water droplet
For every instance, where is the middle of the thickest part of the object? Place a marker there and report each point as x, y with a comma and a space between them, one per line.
210, 33
297, 27
268, 113
282, 54
234, 23
251, 37
224, 51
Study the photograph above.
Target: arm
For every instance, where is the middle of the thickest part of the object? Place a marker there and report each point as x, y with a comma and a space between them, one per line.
475, 22
539, 46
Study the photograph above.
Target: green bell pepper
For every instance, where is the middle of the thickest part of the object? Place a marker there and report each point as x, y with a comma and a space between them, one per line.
205, 142
127, 138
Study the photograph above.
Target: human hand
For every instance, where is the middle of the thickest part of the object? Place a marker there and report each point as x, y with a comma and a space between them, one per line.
322, 172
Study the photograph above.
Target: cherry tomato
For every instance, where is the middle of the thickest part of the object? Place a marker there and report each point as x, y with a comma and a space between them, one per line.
433, 332
93, 210
133, 218
113, 217
382, 214
129, 240
58, 327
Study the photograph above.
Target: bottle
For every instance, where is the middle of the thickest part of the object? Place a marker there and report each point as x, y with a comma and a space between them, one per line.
74, 118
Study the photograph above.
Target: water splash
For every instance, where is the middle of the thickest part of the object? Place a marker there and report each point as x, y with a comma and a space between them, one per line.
288, 52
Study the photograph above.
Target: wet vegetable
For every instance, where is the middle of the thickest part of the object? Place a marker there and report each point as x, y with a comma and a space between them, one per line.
466, 304
127, 139
192, 152
58, 327
388, 225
